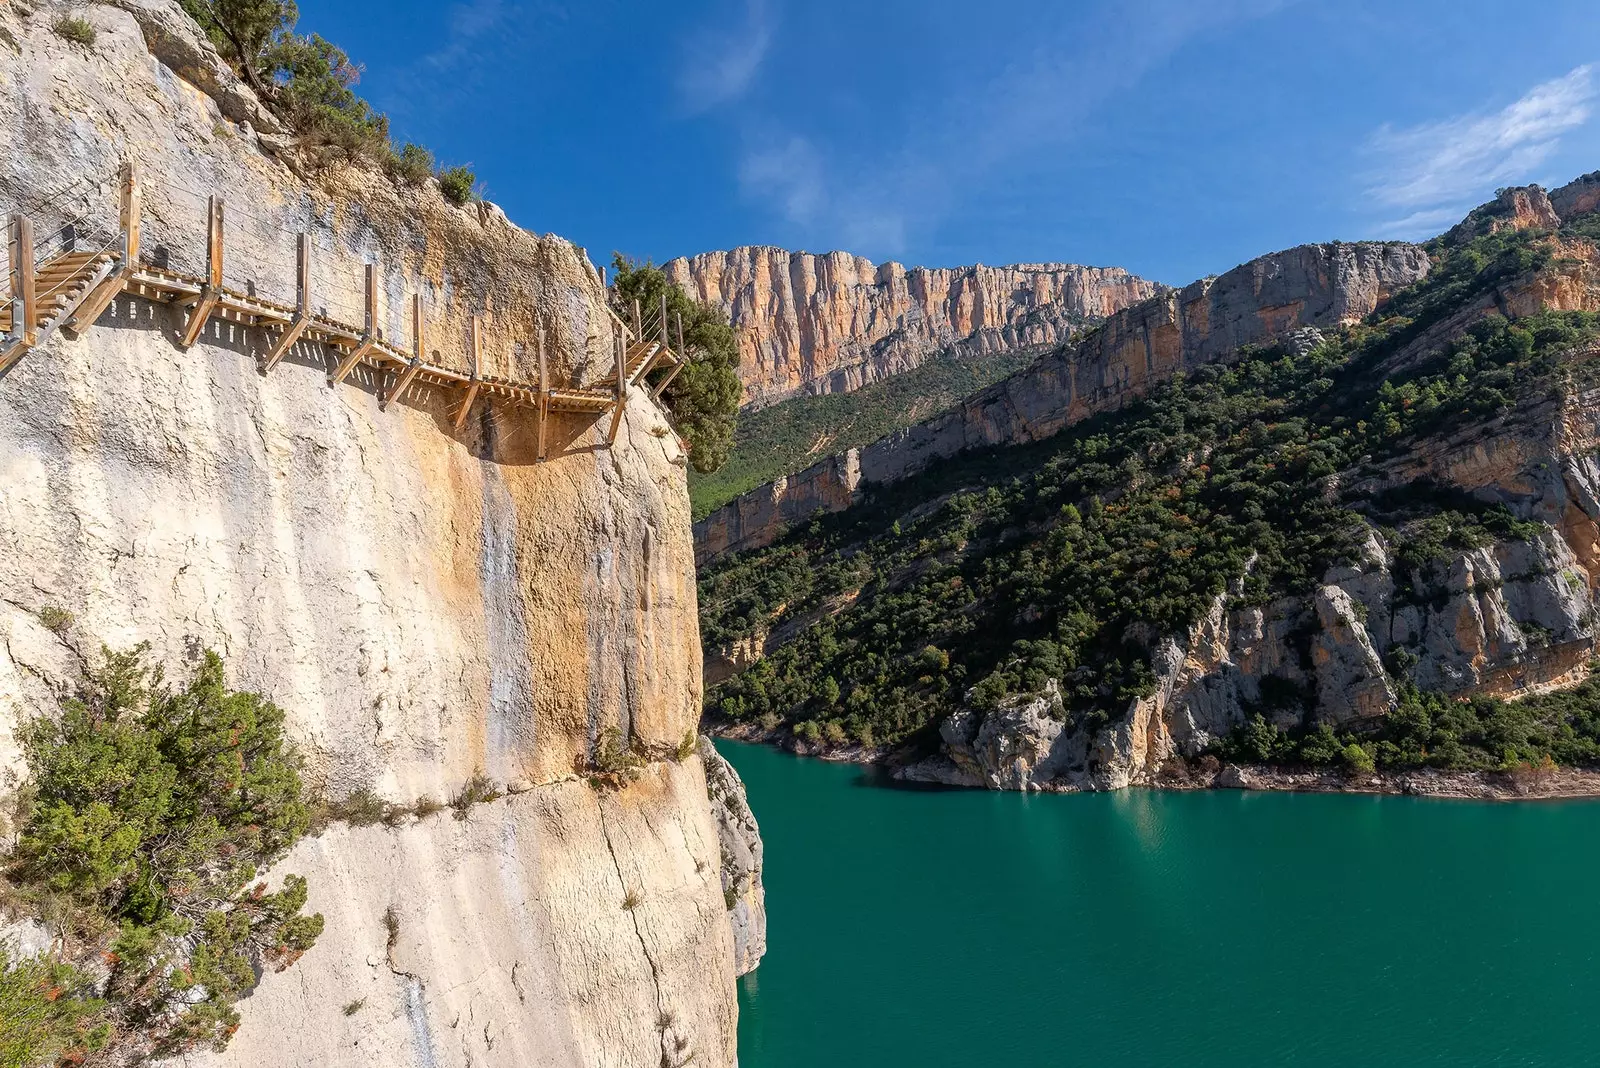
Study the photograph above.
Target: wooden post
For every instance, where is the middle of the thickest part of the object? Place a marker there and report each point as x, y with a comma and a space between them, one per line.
129, 215
681, 352
100, 297
211, 290
419, 348
544, 391
23, 332
622, 381
474, 384
666, 337
302, 306
369, 331
638, 323
681, 357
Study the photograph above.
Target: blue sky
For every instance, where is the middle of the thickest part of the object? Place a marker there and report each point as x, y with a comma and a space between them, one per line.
1173, 138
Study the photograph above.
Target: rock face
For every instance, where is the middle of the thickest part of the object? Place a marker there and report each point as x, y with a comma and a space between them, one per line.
1137, 348
739, 839
835, 322
1512, 618
423, 603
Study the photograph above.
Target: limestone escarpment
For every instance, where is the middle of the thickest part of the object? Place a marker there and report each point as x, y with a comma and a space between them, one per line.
833, 323
1135, 349
425, 604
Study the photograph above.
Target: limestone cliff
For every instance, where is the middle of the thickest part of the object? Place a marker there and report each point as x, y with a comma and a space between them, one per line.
424, 603
1139, 346
740, 841
833, 323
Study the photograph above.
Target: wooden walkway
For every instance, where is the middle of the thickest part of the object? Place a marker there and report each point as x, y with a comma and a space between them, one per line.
66, 289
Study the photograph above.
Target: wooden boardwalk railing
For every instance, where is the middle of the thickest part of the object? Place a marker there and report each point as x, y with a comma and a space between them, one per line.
56, 286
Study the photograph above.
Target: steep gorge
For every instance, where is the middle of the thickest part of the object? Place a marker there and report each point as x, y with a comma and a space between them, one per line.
427, 604
1364, 552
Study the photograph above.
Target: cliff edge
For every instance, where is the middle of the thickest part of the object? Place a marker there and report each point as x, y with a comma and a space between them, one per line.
426, 603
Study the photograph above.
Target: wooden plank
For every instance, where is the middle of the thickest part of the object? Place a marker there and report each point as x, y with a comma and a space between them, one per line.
100, 298
544, 393
211, 290
475, 383
419, 348
369, 334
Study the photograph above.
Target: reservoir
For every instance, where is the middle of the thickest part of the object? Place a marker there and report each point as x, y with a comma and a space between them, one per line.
964, 929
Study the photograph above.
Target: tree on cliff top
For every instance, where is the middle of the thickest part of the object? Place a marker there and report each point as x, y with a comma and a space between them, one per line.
704, 397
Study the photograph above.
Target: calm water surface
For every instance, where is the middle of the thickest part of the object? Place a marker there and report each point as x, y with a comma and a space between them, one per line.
965, 928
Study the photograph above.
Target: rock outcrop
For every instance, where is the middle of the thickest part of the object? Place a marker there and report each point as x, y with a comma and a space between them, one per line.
1134, 350
833, 323
739, 839
424, 603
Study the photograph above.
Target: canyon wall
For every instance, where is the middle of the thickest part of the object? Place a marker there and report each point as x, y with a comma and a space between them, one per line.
833, 323
1135, 349
1507, 619
426, 604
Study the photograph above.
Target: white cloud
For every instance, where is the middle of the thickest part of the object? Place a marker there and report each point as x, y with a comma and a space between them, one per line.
718, 65
1439, 170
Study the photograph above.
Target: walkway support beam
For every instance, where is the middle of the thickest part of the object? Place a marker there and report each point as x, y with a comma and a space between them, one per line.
211, 289
369, 331
302, 306
475, 383
100, 298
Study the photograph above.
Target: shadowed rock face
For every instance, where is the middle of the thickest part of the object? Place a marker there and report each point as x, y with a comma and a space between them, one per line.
833, 323
423, 603
1137, 348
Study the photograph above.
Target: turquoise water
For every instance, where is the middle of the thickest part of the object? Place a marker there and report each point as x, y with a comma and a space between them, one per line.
964, 928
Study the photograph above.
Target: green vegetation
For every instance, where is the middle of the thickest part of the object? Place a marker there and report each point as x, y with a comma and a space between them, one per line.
78, 31
55, 618
457, 185
151, 812
48, 1013
1430, 730
308, 82
789, 436
1071, 558
704, 396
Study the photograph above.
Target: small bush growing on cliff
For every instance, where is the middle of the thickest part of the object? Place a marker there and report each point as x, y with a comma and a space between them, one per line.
76, 30
55, 618
474, 791
154, 809
48, 1013
456, 183
412, 164
704, 397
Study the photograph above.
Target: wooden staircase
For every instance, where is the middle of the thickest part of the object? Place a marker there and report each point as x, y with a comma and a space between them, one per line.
59, 287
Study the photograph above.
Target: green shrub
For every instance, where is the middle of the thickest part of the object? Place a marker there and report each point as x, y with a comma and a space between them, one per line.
53, 617
412, 164
154, 809
353, 1007
474, 791
456, 183
76, 30
48, 1013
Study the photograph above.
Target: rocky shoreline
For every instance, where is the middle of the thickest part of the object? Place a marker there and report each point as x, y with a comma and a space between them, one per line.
1532, 784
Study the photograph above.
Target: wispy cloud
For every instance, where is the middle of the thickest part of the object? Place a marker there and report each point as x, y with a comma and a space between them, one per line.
718, 65
1435, 172
968, 127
